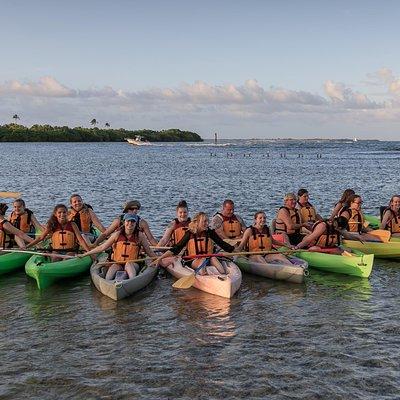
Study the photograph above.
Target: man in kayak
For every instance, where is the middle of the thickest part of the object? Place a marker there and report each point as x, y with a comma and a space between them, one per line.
227, 224
308, 213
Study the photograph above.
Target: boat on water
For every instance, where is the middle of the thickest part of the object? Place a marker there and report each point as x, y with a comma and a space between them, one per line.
138, 141
224, 285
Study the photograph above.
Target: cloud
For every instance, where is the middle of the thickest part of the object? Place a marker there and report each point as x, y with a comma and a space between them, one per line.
385, 76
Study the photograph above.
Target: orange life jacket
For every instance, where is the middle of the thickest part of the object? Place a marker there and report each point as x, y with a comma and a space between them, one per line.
81, 218
356, 220
23, 222
260, 241
393, 225
331, 237
307, 212
231, 226
179, 231
199, 245
294, 216
63, 238
125, 248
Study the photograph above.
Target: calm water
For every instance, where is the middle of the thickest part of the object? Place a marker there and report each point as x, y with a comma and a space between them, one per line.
331, 338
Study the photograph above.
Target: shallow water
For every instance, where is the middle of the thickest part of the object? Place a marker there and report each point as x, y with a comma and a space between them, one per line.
333, 337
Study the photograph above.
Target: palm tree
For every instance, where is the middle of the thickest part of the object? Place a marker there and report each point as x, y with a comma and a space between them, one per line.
15, 117
93, 122
107, 125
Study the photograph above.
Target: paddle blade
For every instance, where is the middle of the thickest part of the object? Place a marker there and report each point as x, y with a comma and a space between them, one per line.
185, 282
10, 194
381, 234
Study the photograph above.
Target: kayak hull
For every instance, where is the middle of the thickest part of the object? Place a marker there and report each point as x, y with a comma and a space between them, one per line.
11, 262
219, 285
294, 271
46, 272
357, 265
390, 249
118, 290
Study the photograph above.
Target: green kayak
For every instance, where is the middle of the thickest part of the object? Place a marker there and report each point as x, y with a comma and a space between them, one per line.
390, 249
374, 221
357, 264
46, 272
10, 262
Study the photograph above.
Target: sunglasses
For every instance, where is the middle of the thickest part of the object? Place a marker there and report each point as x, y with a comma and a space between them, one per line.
133, 208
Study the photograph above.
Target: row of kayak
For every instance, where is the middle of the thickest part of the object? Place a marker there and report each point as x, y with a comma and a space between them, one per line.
46, 273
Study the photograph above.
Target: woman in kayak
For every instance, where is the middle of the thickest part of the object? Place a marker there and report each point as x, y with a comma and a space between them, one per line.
288, 221
84, 217
326, 234
344, 200
258, 238
6, 229
198, 239
131, 207
126, 244
177, 227
355, 219
65, 235
308, 213
391, 216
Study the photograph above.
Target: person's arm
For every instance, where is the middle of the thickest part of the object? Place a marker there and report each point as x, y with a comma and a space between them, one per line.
243, 243
218, 226
146, 246
78, 235
103, 247
104, 235
13, 230
146, 230
312, 237
96, 221
242, 223
176, 249
40, 238
385, 219
36, 224
220, 242
167, 235
336, 210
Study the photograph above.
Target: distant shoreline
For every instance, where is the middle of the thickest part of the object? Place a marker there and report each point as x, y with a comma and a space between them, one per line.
48, 133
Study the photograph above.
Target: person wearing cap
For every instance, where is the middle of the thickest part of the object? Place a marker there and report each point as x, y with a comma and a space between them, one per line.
6, 228
226, 223
288, 221
126, 244
131, 207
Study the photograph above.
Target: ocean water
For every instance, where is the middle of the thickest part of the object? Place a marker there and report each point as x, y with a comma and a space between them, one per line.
333, 337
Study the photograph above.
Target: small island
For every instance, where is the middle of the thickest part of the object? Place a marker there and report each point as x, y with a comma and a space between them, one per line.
47, 133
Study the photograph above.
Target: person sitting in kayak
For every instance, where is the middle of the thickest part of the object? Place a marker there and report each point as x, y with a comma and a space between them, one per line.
355, 219
288, 221
126, 244
326, 234
308, 213
84, 217
7, 229
199, 239
226, 223
344, 201
258, 238
65, 235
177, 227
391, 216
131, 207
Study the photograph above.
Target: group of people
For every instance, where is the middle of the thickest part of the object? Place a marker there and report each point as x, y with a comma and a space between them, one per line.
297, 225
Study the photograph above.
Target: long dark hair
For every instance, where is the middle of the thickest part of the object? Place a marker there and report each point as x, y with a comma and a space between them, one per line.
53, 221
346, 195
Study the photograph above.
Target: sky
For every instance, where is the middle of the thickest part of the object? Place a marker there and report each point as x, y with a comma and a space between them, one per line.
244, 69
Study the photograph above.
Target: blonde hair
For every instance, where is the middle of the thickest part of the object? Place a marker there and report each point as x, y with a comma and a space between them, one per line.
289, 196
194, 223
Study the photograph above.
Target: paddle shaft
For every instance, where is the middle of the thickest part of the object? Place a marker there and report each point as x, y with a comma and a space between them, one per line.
38, 253
10, 194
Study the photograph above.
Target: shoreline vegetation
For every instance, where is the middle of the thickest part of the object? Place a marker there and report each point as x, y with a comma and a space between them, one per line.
47, 133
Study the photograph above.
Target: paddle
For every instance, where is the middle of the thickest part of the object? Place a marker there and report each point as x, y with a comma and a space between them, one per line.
161, 247
187, 281
38, 253
10, 194
382, 234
